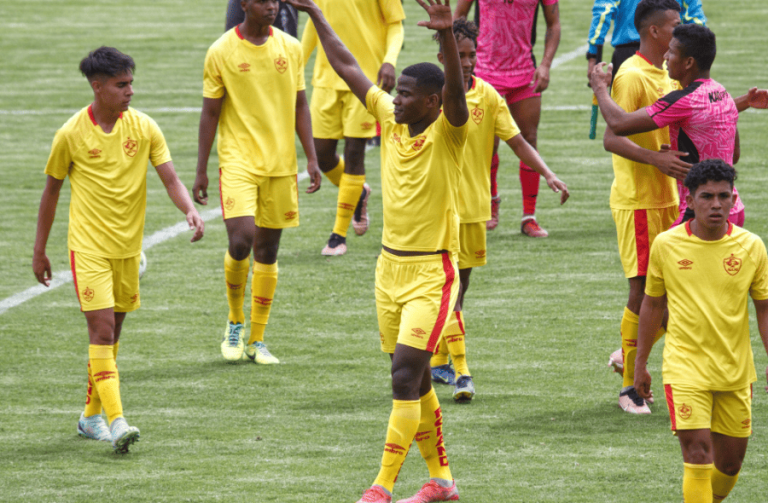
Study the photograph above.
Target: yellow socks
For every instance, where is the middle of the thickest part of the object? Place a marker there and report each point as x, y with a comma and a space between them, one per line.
334, 175
403, 424
629, 345
236, 276
441, 354
106, 379
350, 188
429, 437
697, 487
263, 288
722, 484
454, 337
92, 400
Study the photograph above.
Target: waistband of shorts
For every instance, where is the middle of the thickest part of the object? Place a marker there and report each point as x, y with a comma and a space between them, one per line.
434, 258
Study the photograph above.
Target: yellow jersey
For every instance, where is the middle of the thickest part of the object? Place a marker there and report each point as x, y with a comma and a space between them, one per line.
108, 177
259, 84
636, 186
362, 26
420, 180
707, 284
489, 117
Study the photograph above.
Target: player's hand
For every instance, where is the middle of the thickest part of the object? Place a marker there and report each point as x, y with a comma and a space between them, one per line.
757, 98
196, 224
440, 16
315, 177
540, 80
200, 189
599, 79
302, 5
558, 186
642, 382
591, 62
386, 77
41, 266
668, 162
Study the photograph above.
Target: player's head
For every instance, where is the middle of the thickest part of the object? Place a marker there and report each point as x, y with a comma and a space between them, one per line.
110, 73
711, 197
656, 19
693, 48
419, 93
260, 12
466, 33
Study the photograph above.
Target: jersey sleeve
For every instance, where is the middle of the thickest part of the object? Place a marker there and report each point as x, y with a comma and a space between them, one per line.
654, 281
505, 128
379, 103
158, 150
548, 2
693, 13
627, 90
457, 136
673, 108
213, 84
392, 11
60, 158
759, 287
602, 16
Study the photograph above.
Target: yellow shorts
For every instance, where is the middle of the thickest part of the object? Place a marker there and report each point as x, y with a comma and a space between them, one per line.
339, 114
273, 201
472, 242
101, 283
414, 297
725, 412
636, 231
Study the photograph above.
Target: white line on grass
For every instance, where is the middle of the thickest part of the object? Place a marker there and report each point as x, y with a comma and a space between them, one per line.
65, 276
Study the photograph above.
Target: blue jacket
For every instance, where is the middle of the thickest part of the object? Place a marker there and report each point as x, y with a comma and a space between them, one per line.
622, 13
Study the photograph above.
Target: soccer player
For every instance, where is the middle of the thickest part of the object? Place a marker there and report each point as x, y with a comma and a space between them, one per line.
505, 60
625, 39
104, 149
490, 119
704, 272
253, 92
373, 30
416, 284
287, 18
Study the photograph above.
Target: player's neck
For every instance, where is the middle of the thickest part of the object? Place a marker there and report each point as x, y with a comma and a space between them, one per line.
692, 77
707, 233
416, 128
104, 116
253, 32
654, 57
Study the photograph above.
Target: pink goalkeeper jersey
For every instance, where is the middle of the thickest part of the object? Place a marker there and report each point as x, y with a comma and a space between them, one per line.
702, 121
505, 47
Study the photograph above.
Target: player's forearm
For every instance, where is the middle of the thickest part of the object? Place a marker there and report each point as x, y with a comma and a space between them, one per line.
395, 36
651, 317
176, 190
526, 153
304, 126
454, 98
761, 313
552, 36
47, 213
340, 58
742, 102
611, 112
623, 146
462, 8
205, 137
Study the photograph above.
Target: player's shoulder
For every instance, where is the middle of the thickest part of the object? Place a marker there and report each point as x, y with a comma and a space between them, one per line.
746, 239
672, 237
285, 39
224, 43
76, 128
139, 119
681, 94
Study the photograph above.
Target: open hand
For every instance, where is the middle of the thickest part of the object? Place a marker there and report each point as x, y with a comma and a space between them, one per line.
302, 5
440, 16
757, 98
195, 224
558, 186
668, 162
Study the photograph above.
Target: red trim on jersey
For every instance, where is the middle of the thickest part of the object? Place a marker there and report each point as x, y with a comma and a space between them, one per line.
237, 32
730, 228
670, 406
221, 198
646, 59
474, 82
74, 275
271, 32
688, 228
445, 303
90, 114
642, 243
461, 322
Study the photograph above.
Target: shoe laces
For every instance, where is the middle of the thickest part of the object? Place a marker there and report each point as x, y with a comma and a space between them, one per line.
262, 348
234, 334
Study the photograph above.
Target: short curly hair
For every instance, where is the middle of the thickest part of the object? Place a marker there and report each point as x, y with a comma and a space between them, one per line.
462, 28
711, 170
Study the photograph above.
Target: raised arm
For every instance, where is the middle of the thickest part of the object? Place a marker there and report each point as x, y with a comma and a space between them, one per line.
651, 317
41, 266
209, 121
462, 8
342, 61
180, 197
454, 99
386, 77
551, 41
620, 122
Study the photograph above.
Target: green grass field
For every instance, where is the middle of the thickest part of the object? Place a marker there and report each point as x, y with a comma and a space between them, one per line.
542, 317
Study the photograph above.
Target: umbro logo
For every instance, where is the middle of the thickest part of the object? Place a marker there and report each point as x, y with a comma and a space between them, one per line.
685, 264
94, 153
107, 374
346, 206
366, 125
290, 215
244, 67
262, 300
394, 449
747, 424
418, 331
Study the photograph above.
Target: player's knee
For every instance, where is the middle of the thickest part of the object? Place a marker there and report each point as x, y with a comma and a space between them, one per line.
405, 383
266, 253
731, 467
239, 247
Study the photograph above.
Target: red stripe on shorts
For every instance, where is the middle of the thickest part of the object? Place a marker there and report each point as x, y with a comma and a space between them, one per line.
461, 322
74, 276
641, 241
670, 406
221, 196
445, 303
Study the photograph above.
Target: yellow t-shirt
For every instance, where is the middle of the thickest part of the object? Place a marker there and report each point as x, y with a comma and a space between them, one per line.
420, 180
639, 84
707, 284
108, 175
259, 84
362, 26
489, 117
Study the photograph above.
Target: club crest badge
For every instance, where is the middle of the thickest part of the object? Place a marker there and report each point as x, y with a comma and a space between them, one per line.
477, 115
131, 147
732, 265
88, 294
229, 204
418, 143
685, 411
281, 64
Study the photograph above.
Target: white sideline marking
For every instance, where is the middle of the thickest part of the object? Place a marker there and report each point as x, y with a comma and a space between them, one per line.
65, 276
579, 51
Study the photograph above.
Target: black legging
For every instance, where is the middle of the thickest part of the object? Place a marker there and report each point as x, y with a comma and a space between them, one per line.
287, 17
